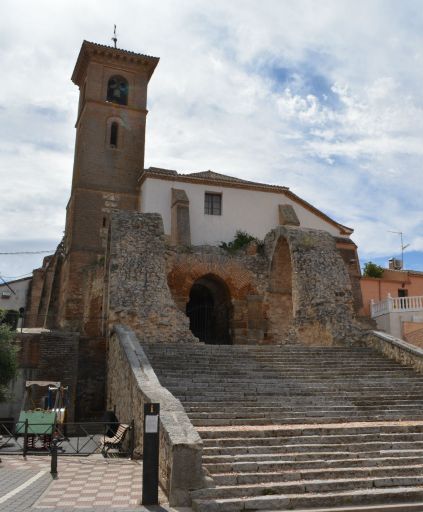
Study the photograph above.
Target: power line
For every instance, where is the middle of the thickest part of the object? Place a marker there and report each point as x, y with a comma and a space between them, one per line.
17, 277
28, 252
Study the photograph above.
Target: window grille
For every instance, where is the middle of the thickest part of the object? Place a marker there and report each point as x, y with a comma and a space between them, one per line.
213, 204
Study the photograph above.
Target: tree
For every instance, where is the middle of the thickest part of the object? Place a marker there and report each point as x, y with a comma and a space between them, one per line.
8, 358
372, 270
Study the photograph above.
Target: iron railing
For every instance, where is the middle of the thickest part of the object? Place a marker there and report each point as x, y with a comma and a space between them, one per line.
77, 438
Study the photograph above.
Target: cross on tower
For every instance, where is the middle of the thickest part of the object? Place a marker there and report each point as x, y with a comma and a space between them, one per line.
114, 38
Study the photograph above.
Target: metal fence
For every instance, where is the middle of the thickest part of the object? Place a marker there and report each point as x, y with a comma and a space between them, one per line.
84, 438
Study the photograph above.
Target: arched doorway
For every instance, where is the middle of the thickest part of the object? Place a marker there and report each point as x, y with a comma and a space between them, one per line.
210, 311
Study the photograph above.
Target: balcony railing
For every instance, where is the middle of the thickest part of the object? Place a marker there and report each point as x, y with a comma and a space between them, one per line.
396, 305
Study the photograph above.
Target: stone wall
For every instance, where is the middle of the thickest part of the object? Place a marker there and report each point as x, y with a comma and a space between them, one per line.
91, 381
132, 383
396, 349
294, 288
138, 293
93, 318
77, 362
52, 355
322, 298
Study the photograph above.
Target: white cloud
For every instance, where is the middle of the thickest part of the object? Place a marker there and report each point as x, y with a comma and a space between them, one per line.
324, 97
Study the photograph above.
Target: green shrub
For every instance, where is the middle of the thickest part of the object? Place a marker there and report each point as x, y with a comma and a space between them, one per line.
8, 357
241, 240
372, 270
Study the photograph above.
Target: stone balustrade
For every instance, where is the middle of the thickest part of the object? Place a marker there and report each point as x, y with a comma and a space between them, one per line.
396, 305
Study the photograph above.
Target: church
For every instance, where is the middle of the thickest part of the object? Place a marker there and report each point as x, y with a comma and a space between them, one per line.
201, 209
231, 303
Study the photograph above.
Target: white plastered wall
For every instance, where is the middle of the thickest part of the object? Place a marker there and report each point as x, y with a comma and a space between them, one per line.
253, 211
10, 300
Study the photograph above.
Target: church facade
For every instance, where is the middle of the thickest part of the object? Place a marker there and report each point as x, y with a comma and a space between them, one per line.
177, 255
203, 209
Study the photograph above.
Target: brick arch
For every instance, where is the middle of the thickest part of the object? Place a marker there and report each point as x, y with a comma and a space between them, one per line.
210, 310
186, 271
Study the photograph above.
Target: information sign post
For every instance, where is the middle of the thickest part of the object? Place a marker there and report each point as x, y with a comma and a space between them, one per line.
150, 466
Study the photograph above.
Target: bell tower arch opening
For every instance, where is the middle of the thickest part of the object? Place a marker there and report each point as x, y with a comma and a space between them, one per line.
210, 310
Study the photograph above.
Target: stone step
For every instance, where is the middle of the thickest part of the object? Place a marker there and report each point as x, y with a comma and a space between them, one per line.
289, 390
350, 439
311, 500
272, 466
395, 507
272, 374
310, 455
347, 424
291, 402
352, 447
309, 486
269, 370
262, 398
315, 474
306, 430
301, 419
356, 387
292, 412
216, 409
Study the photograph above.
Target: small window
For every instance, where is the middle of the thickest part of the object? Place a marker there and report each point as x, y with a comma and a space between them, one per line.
402, 292
117, 90
213, 204
114, 129
6, 295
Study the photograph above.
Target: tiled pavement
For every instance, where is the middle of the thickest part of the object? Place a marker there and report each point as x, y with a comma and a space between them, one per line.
83, 484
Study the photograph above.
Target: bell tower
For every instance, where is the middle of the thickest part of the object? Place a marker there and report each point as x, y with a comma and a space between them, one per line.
109, 156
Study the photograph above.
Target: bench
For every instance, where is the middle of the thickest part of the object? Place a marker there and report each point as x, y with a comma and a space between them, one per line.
116, 441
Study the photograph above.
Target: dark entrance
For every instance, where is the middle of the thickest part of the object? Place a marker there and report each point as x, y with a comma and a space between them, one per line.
209, 311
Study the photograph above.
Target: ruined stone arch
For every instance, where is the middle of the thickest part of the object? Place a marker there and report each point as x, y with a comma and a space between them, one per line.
281, 315
314, 305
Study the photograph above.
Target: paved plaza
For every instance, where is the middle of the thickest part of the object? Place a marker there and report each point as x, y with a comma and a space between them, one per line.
83, 483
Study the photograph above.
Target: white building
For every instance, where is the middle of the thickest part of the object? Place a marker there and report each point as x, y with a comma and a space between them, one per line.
208, 208
13, 295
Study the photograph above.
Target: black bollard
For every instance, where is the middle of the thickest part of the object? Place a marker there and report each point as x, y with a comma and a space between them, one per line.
150, 463
53, 451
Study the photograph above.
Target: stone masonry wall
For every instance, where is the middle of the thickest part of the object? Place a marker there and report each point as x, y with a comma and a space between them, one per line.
138, 294
131, 382
54, 356
294, 288
395, 349
322, 298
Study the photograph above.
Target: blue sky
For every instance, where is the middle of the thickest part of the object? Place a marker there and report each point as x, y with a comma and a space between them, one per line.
321, 96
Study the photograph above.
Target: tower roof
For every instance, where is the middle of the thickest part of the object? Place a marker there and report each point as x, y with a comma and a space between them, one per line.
92, 50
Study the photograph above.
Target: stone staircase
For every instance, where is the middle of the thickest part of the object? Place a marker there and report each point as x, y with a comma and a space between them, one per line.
296, 427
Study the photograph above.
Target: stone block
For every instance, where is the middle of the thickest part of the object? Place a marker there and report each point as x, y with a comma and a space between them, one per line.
287, 215
180, 221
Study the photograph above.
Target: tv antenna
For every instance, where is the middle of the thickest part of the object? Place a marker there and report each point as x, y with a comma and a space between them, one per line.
114, 38
403, 247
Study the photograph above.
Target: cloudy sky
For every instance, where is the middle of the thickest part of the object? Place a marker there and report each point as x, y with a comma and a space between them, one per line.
323, 96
